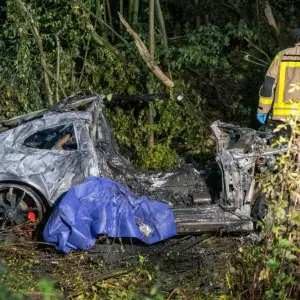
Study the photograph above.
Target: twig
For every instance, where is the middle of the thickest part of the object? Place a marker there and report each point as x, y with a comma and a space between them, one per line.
260, 50
256, 58
106, 25
178, 291
35, 294
174, 243
193, 243
176, 37
254, 62
25, 243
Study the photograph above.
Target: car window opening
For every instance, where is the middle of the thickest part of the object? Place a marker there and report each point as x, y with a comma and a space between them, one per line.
56, 138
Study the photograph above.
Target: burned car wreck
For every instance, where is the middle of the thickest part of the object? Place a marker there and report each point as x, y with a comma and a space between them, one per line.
45, 153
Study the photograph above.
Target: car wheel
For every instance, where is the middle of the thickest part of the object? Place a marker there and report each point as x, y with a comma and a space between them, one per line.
18, 204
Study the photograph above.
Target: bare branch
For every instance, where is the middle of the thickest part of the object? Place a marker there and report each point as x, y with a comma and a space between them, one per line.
248, 55
105, 24
146, 56
260, 50
57, 65
84, 63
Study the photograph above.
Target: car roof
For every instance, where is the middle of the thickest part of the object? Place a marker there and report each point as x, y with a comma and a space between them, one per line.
62, 110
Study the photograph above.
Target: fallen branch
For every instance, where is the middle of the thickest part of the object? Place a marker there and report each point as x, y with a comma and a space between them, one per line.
178, 251
9, 246
146, 56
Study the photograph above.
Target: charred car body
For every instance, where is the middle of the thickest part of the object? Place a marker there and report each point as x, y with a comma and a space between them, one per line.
44, 153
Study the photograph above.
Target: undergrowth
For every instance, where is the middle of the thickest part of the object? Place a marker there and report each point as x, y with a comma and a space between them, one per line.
271, 270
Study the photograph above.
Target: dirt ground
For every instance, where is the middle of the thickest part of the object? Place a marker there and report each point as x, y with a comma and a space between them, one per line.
186, 267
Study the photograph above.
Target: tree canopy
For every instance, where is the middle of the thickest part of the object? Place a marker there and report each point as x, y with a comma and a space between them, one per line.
217, 51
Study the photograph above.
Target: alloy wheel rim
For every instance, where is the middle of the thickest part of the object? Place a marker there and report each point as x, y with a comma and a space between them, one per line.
15, 205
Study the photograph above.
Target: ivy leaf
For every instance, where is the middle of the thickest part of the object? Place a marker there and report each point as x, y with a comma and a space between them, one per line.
272, 264
284, 242
109, 97
264, 274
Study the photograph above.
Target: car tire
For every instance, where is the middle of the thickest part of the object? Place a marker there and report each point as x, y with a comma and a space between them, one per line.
18, 204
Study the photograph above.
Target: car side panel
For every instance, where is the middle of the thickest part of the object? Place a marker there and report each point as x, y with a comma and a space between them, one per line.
52, 172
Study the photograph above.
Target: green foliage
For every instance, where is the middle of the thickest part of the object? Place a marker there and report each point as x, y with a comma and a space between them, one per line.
180, 129
270, 270
279, 270
11, 288
205, 56
21, 73
48, 290
132, 132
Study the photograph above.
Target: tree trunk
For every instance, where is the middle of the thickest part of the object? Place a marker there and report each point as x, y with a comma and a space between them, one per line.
130, 10
151, 29
99, 15
161, 23
57, 66
36, 35
83, 64
152, 52
72, 79
121, 11
104, 12
206, 19
110, 18
198, 16
48, 87
136, 11
164, 39
270, 17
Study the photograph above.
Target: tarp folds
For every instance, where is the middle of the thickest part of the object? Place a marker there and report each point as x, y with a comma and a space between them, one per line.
102, 206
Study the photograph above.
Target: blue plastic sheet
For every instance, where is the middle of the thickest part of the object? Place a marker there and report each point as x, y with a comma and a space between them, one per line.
102, 206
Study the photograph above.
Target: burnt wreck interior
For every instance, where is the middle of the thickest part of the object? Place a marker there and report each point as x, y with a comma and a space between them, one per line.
239, 152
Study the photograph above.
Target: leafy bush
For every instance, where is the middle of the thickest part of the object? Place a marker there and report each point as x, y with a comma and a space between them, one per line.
271, 270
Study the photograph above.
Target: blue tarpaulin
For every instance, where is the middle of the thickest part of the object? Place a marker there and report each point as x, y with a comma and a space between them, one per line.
102, 206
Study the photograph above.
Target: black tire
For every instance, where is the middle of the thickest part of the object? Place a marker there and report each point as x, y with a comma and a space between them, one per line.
18, 204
